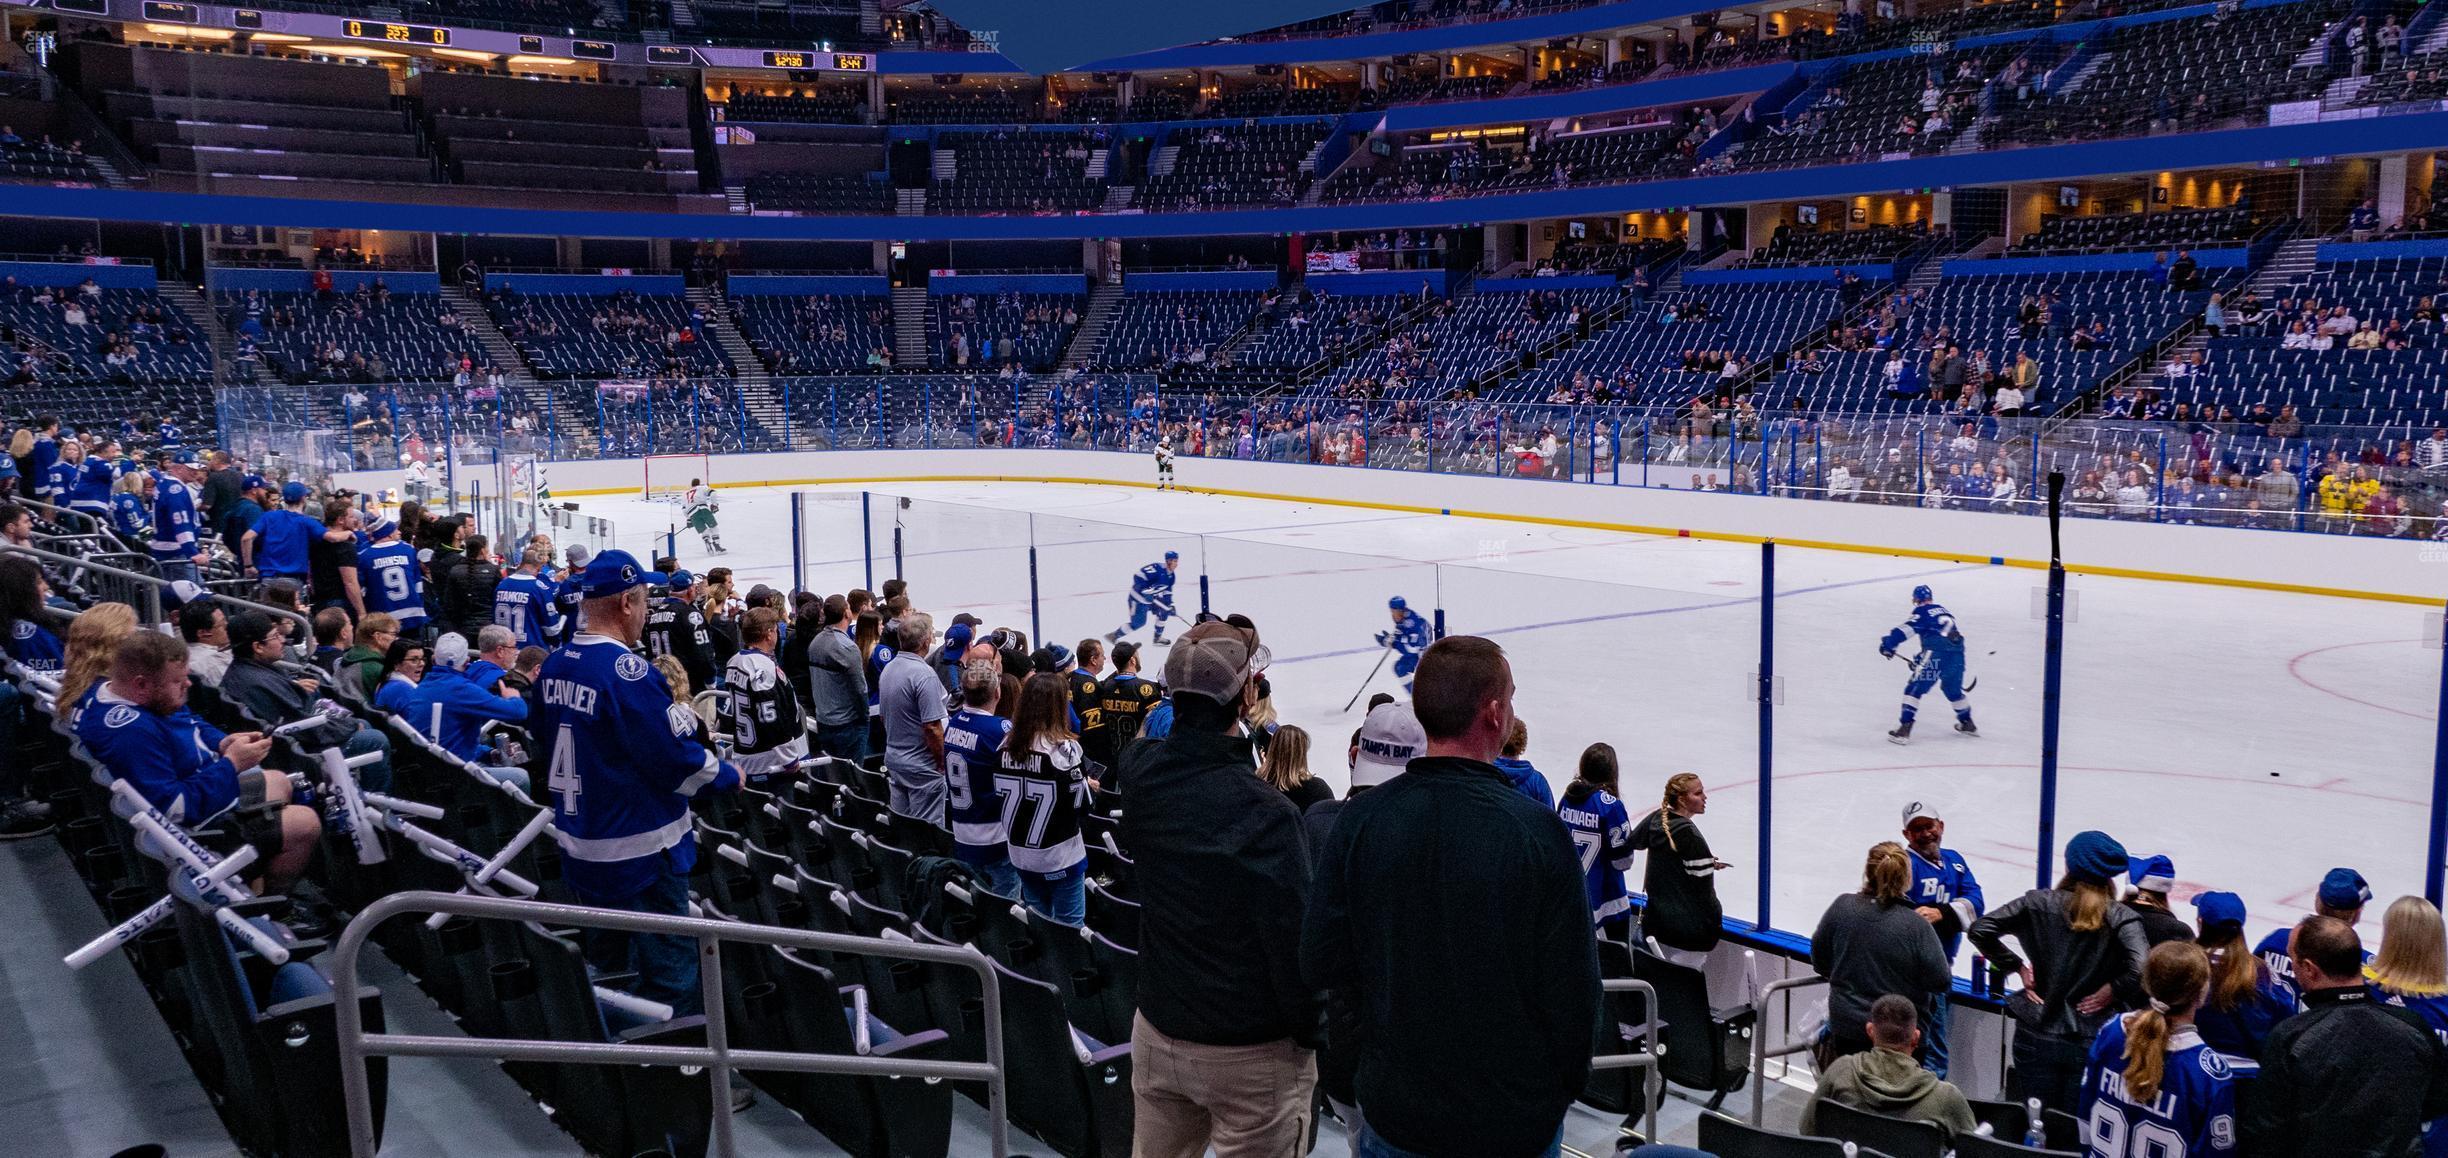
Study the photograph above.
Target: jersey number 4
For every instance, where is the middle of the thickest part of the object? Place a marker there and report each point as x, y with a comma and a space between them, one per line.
562, 777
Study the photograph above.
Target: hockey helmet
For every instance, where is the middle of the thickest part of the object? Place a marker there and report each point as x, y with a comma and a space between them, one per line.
1397, 604
1922, 594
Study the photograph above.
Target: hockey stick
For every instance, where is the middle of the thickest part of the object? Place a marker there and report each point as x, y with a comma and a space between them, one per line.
1920, 658
1372, 677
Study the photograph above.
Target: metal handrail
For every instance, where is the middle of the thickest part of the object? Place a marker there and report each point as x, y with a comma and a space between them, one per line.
1760, 1053
717, 1056
153, 586
1653, 1048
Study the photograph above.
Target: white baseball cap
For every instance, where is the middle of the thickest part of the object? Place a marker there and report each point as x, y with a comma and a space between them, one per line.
1918, 809
1389, 740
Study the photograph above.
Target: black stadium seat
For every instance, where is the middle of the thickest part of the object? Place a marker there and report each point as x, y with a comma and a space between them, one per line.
1726, 1138
1873, 1131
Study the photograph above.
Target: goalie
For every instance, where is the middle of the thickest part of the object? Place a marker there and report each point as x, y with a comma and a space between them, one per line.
701, 503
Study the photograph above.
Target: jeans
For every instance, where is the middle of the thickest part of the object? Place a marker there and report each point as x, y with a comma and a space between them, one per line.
172, 572
1934, 1037
1061, 894
994, 870
374, 777
844, 741
666, 966
1368, 1145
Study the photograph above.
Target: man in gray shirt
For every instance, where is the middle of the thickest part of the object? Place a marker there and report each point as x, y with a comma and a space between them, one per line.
912, 702
837, 685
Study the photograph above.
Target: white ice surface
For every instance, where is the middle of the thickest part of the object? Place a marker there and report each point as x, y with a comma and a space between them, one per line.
2255, 737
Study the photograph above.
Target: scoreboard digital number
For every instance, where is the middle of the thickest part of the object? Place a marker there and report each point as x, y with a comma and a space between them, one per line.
160, 13
790, 60
423, 34
832, 61
852, 62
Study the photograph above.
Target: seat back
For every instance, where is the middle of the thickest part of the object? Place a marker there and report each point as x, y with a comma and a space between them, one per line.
1727, 1138
1892, 1136
1977, 1146
1702, 1051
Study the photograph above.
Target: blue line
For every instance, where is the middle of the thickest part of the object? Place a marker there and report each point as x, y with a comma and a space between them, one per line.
1152, 533
1579, 620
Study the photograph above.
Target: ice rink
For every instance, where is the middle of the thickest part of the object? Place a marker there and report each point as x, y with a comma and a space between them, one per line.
2256, 737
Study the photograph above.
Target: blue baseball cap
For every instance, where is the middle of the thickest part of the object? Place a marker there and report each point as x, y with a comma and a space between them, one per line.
2344, 888
957, 637
252, 482
679, 580
612, 572
293, 492
2220, 909
2152, 874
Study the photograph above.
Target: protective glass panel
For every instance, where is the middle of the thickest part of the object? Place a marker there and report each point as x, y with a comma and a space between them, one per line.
2301, 725
955, 558
1659, 669
832, 556
1086, 582
1840, 784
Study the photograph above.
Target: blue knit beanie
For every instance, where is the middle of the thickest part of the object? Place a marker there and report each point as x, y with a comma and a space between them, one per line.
2095, 857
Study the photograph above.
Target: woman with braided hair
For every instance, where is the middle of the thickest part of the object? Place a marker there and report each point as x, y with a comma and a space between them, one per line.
2152, 1085
1683, 915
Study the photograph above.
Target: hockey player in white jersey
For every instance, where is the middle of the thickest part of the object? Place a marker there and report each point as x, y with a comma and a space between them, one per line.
701, 503
1164, 463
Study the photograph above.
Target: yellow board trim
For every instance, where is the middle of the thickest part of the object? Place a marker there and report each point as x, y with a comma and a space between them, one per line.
1595, 525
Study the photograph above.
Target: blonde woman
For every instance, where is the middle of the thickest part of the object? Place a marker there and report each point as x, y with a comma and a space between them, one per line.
1286, 766
93, 637
2151, 1080
2411, 970
1871, 943
1684, 916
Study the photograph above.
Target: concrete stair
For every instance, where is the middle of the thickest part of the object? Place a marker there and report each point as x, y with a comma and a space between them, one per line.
497, 346
756, 386
910, 311
1162, 163
224, 347
1118, 198
1089, 340
909, 202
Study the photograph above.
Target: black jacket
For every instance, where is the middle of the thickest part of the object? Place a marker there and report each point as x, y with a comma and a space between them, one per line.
474, 592
1680, 879
1451, 915
2349, 1077
1223, 875
2067, 966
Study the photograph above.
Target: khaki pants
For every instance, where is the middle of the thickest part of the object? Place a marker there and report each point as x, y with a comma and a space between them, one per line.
1248, 1101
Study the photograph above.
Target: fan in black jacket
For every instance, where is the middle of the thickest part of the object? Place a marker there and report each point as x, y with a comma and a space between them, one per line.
1683, 913
471, 592
2350, 1076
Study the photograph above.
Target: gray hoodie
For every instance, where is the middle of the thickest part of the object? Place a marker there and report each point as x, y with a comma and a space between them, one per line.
1890, 1082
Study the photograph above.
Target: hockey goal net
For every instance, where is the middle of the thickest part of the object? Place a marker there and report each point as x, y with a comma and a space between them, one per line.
668, 475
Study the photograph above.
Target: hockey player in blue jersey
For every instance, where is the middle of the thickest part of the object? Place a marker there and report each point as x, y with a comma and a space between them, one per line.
1151, 597
622, 764
2152, 1086
1946, 894
387, 573
1593, 813
1408, 637
1940, 664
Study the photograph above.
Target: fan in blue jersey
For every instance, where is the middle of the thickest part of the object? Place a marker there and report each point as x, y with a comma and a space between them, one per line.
569, 593
2152, 1086
175, 547
2343, 893
387, 572
526, 602
59, 480
90, 493
1151, 597
2408, 974
1940, 664
131, 507
623, 763
46, 450
169, 435
982, 797
26, 619
1946, 894
281, 544
1408, 637
1601, 829
2245, 1002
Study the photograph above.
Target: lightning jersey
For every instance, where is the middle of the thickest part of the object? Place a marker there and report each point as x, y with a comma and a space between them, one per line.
1601, 830
624, 762
387, 573
1947, 883
1153, 585
174, 520
1934, 624
982, 796
2194, 1113
768, 735
526, 604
